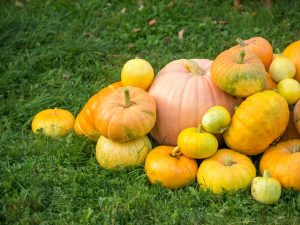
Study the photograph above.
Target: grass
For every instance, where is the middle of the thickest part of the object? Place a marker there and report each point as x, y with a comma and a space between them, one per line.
58, 53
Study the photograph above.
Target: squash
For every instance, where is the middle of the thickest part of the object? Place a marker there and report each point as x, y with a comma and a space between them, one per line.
290, 90
290, 132
296, 116
118, 155
196, 143
283, 162
183, 91
292, 52
167, 166
126, 114
258, 46
282, 68
238, 73
257, 122
53, 122
266, 189
226, 170
85, 120
270, 84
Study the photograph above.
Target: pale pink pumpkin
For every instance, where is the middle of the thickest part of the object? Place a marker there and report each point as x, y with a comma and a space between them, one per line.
183, 91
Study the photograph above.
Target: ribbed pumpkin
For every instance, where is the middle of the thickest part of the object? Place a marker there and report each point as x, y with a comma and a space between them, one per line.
259, 46
283, 162
126, 114
238, 73
270, 84
296, 116
85, 120
290, 132
183, 91
292, 52
257, 122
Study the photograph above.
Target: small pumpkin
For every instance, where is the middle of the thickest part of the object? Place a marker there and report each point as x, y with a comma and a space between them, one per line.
53, 122
196, 143
238, 73
257, 122
282, 68
296, 116
216, 119
226, 170
85, 120
167, 166
183, 91
266, 189
126, 114
290, 90
292, 52
283, 162
118, 155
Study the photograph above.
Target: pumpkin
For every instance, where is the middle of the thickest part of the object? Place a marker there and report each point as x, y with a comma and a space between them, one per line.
183, 91
283, 162
167, 166
226, 170
292, 52
238, 73
266, 189
118, 155
296, 116
290, 132
290, 90
216, 119
138, 73
282, 68
53, 122
258, 46
85, 120
196, 143
126, 114
257, 122
270, 84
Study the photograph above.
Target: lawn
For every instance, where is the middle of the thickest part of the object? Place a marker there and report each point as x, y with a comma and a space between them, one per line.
59, 53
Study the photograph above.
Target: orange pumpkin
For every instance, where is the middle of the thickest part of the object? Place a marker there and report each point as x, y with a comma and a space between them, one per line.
183, 91
292, 52
258, 46
238, 73
290, 132
126, 114
85, 120
296, 116
270, 84
283, 162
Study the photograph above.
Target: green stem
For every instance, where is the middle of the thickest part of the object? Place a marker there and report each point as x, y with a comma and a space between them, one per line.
127, 102
176, 152
200, 128
266, 173
222, 130
228, 160
240, 42
193, 67
295, 148
241, 58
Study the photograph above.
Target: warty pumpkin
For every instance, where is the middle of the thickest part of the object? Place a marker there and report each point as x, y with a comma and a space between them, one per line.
183, 91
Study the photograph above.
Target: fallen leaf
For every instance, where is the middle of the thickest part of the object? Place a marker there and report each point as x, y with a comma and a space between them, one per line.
124, 10
135, 30
19, 4
152, 22
223, 22
180, 34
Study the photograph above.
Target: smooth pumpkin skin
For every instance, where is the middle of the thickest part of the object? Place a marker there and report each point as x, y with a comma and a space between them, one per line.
85, 120
121, 123
53, 122
270, 84
290, 132
283, 163
216, 119
240, 79
260, 47
196, 143
183, 96
118, 155
215, 174
292, 52
296, 116
170, 171
257, 122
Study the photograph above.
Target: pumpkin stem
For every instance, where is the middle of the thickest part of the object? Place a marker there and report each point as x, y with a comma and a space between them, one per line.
266, 174
222, 130
241, 58
126, 102
176, 152
200, 128
295, 148
228, 160
241, 42
193, 67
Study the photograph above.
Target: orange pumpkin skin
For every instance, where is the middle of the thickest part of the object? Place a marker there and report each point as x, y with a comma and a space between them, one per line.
296, 116
168, 169
292, 52
238, 75
85, 120
283, 162
290, 132
123, 117
257, 122
258, 46
270, 84
183, 93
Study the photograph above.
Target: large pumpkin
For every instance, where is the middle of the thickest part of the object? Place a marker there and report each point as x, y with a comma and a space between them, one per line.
292, 52
85, 120
296, 116
183, 91
290, 132
238, 73
257, 122
283, 162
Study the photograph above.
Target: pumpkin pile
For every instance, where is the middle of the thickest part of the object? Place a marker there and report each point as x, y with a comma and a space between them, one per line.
212, 113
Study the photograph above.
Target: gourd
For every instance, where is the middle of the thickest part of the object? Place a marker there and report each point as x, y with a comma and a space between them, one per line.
292, 52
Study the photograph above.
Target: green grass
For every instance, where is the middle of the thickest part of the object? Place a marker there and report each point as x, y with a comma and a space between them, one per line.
58, 53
